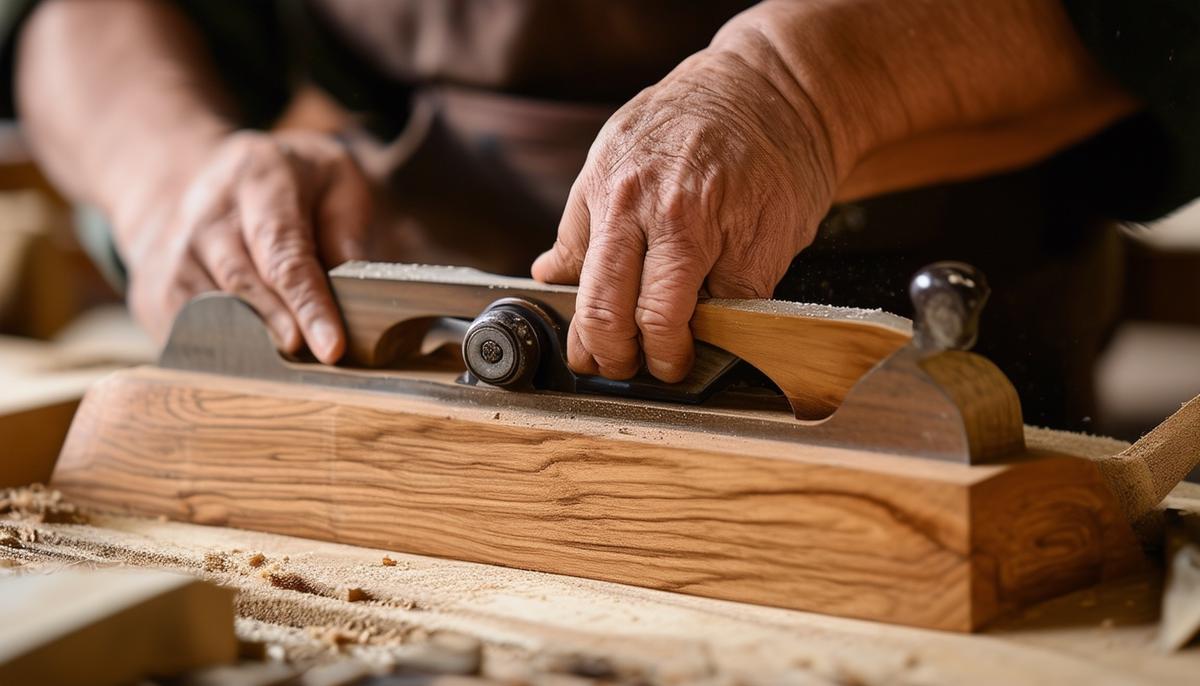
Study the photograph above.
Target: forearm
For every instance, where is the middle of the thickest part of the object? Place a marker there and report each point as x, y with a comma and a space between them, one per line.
119, 105
918, 92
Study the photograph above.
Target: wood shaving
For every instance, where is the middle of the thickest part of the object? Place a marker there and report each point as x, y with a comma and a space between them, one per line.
215, 562
40, 505
8, 539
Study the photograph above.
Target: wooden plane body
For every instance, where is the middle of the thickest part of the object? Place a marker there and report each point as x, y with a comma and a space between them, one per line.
835, 530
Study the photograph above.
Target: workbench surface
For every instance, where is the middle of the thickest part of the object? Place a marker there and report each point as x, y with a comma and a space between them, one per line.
292, 595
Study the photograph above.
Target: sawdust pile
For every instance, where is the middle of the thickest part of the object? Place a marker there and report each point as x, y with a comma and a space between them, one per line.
40, 505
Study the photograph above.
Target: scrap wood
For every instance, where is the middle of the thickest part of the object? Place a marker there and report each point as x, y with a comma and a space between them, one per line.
101, 627
1145, 472
1142, 474
1181, 598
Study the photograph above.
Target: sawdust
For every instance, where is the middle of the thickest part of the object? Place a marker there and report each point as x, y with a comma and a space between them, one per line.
518, 627
215, 562
9, 539
37, 504
816, 311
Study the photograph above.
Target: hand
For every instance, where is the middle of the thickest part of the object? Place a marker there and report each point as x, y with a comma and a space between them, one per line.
710, 178
258, 221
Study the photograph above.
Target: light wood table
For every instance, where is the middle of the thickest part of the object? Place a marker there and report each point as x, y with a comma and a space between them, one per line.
292, 595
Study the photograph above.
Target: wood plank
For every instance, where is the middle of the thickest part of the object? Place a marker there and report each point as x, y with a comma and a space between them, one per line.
32, 437
857, 534
43, 381
111, 627
533, 623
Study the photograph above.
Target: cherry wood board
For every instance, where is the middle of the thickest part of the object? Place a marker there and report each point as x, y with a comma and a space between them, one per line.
894, 539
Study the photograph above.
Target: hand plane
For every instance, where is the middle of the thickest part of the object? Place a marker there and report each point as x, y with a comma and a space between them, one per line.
848, 377
842, 461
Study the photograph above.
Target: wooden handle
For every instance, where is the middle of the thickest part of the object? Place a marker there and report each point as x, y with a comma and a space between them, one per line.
814, 353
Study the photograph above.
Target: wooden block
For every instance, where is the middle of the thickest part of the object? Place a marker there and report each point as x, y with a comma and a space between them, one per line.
111, 626
35, 414
32, 436
43, 382
843, 532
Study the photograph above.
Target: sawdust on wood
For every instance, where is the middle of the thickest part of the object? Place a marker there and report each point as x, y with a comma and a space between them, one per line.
38, 504
516, 626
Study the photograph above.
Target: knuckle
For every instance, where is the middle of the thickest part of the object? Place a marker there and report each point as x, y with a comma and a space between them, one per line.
233, 275
739, 284
656, 317
622, 190
276, 232
290, 269
598, 318
678, 204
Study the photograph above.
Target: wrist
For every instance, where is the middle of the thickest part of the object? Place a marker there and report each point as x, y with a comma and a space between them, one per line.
881, 73
792, 47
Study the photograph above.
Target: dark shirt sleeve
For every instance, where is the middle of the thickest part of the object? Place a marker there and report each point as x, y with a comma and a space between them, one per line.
13, 14
1152, 47
245, 41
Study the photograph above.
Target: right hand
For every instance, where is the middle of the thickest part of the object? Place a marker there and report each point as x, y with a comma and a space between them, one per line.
260, 221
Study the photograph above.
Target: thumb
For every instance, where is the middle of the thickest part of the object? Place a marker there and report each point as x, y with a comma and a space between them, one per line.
563, 262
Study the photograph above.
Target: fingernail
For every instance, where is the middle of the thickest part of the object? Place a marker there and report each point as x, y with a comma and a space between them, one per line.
324, 339
538, 269
587, 366
670, 372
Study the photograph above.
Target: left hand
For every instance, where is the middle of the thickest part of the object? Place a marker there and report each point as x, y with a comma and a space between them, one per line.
712, 179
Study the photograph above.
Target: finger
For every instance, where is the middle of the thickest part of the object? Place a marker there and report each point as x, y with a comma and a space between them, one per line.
563, 262
606, 336
343, 213
154, 304
280, 242
671, 279
222, 252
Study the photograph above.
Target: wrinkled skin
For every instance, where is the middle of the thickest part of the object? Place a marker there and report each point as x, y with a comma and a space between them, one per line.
708, 180
261, 220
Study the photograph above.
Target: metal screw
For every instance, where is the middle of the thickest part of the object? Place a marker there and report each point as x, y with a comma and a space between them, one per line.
491, 351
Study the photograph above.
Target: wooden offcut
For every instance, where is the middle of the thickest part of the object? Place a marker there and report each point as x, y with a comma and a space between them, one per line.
111, 627
839, 531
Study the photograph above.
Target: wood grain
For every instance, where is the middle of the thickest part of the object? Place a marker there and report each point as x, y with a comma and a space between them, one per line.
856, 534
814, 360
